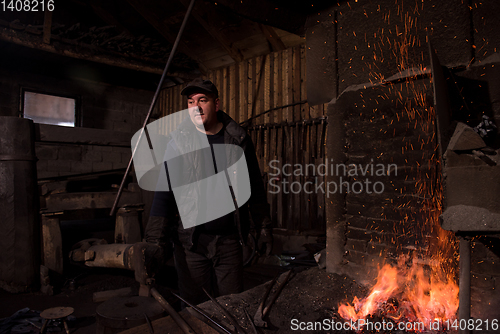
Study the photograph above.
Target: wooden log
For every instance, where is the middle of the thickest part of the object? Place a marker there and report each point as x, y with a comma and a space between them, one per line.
52, 244
100, 200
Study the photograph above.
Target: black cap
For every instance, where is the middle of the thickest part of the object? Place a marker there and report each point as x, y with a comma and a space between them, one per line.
200, 85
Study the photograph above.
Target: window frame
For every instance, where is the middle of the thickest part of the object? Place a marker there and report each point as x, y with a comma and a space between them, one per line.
78, 115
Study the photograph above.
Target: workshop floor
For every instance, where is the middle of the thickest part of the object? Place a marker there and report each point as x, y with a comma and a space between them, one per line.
87, 281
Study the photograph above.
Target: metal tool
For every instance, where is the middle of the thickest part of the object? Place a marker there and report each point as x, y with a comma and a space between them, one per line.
173, 313
224, 329
250, 320
153, 103
231, 319
150, 326
262, 311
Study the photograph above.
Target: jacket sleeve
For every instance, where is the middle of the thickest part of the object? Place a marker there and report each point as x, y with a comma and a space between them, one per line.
258, 205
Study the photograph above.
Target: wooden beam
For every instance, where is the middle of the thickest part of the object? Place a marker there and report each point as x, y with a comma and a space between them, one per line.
150, 11
107, 17
47, 26
272, 37
201, 13
80, 51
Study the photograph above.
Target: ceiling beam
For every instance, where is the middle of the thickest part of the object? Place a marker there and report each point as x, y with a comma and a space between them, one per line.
284, 16
107, 17
149, 10
47, 26
202, 13
82, 51
272, 37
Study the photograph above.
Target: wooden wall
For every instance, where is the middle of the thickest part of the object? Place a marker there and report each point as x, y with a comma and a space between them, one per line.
267, 95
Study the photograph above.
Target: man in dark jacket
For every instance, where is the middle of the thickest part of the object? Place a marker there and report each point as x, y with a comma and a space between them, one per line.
208, 255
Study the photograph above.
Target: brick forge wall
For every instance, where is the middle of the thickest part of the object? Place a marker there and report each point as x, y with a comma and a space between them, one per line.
388, 132
378, 124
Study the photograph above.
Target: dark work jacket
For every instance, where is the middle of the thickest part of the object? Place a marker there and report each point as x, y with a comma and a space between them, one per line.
256, 206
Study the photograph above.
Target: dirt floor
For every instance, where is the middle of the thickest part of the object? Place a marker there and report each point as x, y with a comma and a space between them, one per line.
311, 294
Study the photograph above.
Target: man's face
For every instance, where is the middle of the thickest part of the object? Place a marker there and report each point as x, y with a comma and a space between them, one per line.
206, 115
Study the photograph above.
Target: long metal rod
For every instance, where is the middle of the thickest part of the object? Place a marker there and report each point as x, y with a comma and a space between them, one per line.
153, 103
226, 313
464, 283
224, 329
173, 313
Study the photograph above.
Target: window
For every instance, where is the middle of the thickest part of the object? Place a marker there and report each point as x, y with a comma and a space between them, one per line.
49, 109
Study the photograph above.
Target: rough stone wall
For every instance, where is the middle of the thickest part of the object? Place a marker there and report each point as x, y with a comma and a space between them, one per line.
389, 151
70, 159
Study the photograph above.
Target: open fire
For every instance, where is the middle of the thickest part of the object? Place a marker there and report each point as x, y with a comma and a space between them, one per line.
408, 294
420, 288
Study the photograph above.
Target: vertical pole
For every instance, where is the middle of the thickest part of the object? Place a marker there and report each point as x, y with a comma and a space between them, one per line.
464, 284
153, 103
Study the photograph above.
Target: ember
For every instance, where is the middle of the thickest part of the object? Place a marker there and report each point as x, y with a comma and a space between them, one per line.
407, 294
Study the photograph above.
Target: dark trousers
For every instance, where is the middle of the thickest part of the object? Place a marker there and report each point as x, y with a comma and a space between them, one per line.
215, 263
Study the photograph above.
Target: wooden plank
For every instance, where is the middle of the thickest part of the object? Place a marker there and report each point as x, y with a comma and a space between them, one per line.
257, 108
289, 87
234, 92
225, 89
289, 159
85, 52
90, 200
278, 84
47, 26
279, 157
306, 197
266, 92
210, 20
107, 17
243, 91
272, 37
52, 244
305, 113
321, 198
251, 87
296, 83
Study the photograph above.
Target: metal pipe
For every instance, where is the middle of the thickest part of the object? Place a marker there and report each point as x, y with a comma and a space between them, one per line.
153, 103
224, 329
173, 313
464, 283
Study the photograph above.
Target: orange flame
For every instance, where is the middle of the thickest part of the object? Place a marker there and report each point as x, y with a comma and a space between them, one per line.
423, 296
